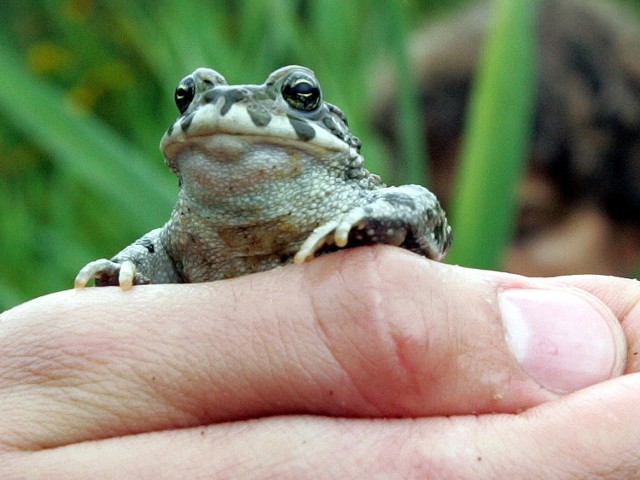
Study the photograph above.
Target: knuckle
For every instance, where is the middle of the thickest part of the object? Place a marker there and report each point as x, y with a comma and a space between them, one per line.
383, 341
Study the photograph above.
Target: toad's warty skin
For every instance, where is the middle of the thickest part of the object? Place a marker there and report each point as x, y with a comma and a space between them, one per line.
269, 174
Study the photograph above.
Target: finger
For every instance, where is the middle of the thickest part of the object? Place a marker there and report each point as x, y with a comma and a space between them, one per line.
621, 296
589, 434
371, 332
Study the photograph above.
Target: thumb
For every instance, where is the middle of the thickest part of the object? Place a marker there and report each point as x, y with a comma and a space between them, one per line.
369, 332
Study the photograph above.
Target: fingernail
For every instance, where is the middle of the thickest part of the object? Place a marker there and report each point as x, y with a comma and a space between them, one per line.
564, 340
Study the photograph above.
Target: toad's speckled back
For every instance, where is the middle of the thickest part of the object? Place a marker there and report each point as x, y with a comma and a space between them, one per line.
269, 174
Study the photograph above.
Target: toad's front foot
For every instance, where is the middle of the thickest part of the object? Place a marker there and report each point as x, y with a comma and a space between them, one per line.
408, 216
337, 232
107, 272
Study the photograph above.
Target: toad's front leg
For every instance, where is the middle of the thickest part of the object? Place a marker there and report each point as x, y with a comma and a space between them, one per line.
144, 261
409, 216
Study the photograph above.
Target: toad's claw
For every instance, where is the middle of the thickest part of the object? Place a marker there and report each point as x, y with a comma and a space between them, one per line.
335, 232
92, 270
320, 236
106, 270
355, 218
127, 274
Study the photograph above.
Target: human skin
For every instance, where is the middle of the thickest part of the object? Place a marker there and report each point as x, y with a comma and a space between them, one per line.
372, 362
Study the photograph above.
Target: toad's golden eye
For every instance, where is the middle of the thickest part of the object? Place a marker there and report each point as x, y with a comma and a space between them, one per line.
185, 91
302, 92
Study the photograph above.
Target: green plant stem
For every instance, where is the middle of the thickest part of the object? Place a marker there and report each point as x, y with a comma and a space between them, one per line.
496, 140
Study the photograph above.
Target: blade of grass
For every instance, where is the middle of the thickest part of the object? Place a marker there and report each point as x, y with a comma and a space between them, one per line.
496, 139
411, 141
84, 147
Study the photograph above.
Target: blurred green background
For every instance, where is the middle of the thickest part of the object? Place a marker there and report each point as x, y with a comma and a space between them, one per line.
86, 92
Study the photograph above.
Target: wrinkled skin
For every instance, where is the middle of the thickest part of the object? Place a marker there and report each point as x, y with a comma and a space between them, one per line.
361, 364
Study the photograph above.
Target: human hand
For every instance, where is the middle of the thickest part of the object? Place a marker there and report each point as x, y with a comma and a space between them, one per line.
247, 377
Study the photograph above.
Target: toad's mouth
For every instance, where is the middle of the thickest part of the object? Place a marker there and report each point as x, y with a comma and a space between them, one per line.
230, 147
207, 121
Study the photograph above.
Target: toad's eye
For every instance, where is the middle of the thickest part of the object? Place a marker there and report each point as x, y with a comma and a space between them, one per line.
302, 92
185, 92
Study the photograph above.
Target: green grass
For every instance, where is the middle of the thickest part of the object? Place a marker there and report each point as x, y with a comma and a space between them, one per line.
496, 140
86, 92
